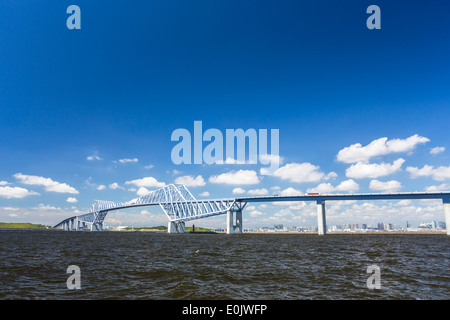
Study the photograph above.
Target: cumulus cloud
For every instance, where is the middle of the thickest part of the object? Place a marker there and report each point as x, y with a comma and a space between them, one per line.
236, 177
439, 188
238, 191
204, 194
4, 183
387, 186
290, 192
15, 192
345, 186
438, 173
142, 191
46, 207
301, 172
115, 186
101, 187
382, 146
258, 192
146, 182
437, 150
255, 213
47, 183
71, 200
364, 170
190, 181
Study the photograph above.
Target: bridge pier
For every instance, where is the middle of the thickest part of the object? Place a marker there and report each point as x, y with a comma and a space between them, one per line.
321, 218
446, 202
176, 227
231, 227
96, 227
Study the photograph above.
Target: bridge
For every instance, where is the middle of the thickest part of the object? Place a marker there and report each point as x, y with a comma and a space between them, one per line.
180, 206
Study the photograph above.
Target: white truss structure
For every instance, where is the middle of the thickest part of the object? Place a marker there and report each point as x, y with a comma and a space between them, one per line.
177, 202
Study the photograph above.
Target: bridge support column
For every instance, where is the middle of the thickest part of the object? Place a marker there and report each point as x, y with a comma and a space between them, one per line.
97, 227
176, 227
321, 218
231, 227
446, 202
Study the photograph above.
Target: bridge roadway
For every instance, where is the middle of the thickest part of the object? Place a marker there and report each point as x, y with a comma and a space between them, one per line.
180, 206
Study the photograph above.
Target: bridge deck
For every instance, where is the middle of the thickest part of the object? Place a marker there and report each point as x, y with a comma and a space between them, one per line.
445, 196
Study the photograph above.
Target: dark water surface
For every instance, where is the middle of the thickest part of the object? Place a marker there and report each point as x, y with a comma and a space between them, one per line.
141, 265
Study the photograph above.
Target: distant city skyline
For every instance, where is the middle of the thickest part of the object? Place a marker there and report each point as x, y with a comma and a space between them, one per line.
88, 113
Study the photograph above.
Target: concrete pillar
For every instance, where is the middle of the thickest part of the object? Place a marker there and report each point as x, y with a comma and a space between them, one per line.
233, 228
97, 227
321, 219
176, 227
230, 227
238, 226
447, 214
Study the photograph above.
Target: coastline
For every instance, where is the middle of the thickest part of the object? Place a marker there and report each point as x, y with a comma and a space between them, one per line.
352, 232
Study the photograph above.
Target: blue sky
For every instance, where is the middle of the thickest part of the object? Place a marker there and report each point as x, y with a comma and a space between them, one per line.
76, 102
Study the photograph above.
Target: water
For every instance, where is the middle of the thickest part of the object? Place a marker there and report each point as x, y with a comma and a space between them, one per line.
143, 265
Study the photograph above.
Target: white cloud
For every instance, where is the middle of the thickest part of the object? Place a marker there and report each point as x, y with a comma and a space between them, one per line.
10, 208
47, 183
142, 191
290, 192
301, 172
126, 160
439, 173
115, 186
388, 186
71, 200
204, 194
345, 186
236, 177
146, 182
255, 213
15, 192
404, 203
101, 187
363, 170
439, 188
382, 146
93, 157
437, 150
258, 192
190, 181
4, 183
238, 191
46, 207
149, 166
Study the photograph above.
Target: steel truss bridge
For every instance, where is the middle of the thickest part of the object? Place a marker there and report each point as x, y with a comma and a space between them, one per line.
180, 206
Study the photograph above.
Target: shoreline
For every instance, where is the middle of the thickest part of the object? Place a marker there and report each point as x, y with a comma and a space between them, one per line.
431, 232
350, 232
